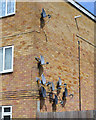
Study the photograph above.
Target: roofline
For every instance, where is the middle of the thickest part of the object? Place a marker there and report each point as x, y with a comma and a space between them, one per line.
82, 9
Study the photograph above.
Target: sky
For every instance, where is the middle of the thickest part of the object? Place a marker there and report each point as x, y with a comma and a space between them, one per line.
90, 5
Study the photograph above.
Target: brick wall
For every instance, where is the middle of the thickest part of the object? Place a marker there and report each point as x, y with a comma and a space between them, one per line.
61, 50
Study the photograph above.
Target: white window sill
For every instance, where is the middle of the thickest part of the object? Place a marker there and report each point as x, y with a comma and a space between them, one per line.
7, 71
7, 15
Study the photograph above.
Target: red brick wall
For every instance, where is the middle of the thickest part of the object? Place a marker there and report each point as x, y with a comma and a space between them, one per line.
60, 50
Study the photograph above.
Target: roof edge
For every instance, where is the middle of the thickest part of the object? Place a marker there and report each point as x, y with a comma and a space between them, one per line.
82, 9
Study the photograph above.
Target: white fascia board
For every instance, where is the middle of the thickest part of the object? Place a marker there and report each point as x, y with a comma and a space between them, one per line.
82, 9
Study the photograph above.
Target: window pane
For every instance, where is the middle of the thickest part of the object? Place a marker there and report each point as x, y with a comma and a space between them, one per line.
7, 109
8, 58
10, 6
7, 117
3, 7
1, 59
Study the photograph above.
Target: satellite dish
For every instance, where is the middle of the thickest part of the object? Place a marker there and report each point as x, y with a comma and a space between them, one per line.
43, 92
55, 100
43, 14
52, 87
59, 83
42, 60
38, 80
61, 102
38, 59
63, 97
43, 79
65, 94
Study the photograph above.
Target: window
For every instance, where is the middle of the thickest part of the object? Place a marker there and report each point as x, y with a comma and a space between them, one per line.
7, 7
6, 59
7, 109
5, 115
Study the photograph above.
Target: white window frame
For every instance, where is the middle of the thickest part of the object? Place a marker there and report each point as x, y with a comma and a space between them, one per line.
6, 113
6, 14
9, 70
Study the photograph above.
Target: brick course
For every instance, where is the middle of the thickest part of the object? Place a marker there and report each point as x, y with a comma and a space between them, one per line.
61, 50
